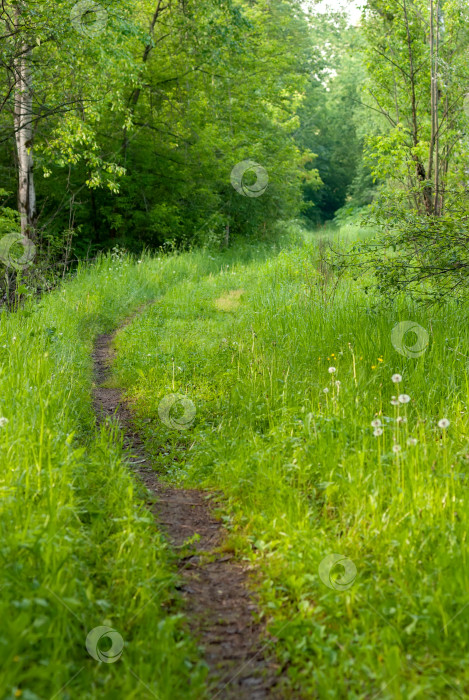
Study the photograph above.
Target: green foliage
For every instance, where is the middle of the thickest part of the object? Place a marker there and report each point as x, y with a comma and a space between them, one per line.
331, 123
397, 73
417, 147
9, 218
427, 257
143, 128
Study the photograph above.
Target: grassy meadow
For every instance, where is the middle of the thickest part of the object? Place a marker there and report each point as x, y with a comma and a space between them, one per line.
300, 428
309, 448
78, 548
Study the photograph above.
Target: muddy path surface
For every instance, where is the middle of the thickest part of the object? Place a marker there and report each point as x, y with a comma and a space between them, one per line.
215, 586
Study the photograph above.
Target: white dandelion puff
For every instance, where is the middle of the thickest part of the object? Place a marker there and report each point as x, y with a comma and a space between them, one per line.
376, 423
396, 378
331, 370
396, 448
443, 423
412, 441
404, 398
3, 422
377, 432
326, 390
401, 419
394, 402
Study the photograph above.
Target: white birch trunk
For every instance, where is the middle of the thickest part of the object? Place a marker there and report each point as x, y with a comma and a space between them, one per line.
24, 146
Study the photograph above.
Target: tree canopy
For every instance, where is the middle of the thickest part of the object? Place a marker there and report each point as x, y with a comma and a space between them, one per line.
174, 123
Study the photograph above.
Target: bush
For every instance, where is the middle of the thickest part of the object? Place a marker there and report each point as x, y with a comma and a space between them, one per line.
423, 254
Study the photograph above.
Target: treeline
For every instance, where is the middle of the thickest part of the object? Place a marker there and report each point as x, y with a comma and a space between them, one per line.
123, 121
174, 123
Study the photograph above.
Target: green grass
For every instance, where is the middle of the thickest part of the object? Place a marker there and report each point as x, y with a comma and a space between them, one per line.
301, 473
78, 550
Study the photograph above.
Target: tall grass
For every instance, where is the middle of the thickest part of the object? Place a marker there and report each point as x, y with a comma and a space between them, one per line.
304, 476
78, 549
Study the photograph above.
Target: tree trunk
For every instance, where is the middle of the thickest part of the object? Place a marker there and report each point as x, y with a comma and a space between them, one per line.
420, 168
434, 150
136, 92
24, 140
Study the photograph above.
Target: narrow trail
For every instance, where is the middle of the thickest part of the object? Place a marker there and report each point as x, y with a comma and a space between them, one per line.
218, 604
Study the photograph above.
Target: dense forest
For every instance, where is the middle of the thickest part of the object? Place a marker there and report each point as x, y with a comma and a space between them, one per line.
136, 115
121, 125
234, 349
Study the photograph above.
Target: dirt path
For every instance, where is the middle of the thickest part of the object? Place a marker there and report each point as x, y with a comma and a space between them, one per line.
218, 605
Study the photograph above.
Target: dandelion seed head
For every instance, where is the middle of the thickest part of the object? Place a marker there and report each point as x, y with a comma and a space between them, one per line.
412, 441
396, 378
376, 423
404, 398
3, 422
377, 432
326, 390
443, 423
396, 448
331, 370
395, 402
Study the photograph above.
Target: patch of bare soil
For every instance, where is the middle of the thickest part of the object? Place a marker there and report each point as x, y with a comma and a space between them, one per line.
215, 586
229, 301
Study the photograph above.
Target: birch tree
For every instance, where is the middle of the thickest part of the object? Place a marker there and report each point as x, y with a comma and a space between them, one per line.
23, 124
418, 77
417, 66
61, 78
